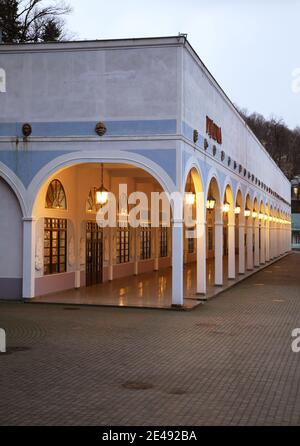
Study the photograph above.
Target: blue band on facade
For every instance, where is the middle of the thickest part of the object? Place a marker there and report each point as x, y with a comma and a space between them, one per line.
87, 128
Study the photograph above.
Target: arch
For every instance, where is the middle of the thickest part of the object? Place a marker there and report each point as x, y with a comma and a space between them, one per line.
198, 182
74, 158
215, 189
11, 243
227, 184
255, 204
261, 207
239, 199
16, 185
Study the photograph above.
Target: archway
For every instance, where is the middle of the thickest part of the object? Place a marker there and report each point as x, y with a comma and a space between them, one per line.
255, 215
228, 208
262, 234
11, 243
214, 221
249, 232
126, 252
240, 231
195, 233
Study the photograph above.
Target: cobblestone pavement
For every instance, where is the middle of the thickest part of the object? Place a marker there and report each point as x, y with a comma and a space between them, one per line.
227, 362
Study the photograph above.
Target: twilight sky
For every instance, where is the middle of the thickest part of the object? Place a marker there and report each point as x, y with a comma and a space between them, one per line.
250, 46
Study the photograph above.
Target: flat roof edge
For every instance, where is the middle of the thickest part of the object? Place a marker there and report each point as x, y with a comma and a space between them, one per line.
94, 44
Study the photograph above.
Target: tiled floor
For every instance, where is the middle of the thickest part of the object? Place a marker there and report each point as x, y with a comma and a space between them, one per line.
228, 362
152, 290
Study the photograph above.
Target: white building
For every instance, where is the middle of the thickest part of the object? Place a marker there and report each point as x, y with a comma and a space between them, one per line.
164, 124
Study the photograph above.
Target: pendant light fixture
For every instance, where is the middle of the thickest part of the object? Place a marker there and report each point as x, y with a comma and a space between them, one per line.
210, 203
101, 195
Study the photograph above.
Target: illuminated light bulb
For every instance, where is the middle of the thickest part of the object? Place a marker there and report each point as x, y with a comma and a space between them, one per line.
190, 198
226, 207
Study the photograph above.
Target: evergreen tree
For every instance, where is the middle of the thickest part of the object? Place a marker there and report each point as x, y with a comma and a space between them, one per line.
32, 20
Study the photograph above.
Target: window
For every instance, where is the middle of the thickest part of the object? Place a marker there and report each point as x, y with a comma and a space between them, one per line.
191, 245
55, 237
145, 242
163, 248
123, 244
56, 197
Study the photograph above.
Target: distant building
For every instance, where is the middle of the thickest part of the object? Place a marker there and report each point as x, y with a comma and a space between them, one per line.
296, 213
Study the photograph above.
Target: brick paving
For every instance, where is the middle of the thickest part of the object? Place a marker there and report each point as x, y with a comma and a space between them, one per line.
228, 362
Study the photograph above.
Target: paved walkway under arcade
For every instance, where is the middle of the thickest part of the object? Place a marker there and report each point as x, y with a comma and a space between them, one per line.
228, 362
149, 290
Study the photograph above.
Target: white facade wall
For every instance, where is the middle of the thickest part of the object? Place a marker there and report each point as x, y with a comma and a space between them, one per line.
203, 97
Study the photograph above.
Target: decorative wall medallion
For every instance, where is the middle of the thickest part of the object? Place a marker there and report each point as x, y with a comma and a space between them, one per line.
205, 144
100, 128
26, 129
195, 136
222, 155
214, 150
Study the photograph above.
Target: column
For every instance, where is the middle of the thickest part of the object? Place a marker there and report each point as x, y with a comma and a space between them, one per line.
177, 263
267, 240
201, 258
262, 242
241, 244
271, 236
249, 243
231, 250
275, 239
218, 253
201, 243
256, 243
28, 257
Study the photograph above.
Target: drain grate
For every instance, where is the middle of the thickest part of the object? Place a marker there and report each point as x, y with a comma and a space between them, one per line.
135, 385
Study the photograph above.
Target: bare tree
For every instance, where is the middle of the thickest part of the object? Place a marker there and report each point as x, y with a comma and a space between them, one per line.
32, 20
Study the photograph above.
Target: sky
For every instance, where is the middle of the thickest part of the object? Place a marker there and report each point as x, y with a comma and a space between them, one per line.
252, 47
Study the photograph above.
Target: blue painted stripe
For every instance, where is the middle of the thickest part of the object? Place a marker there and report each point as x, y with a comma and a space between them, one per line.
87, 128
